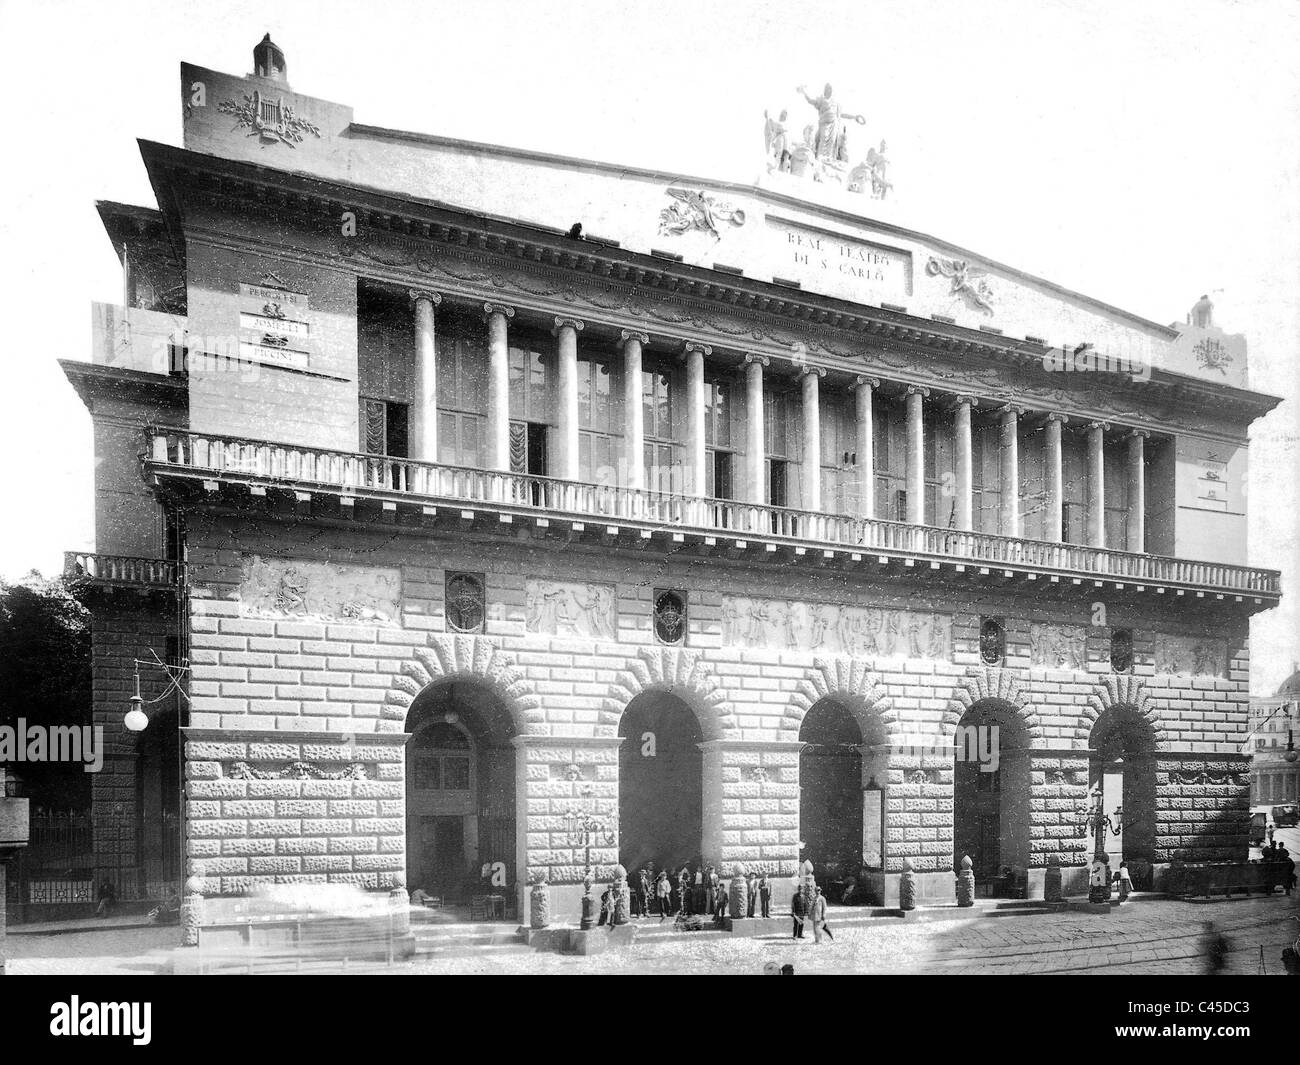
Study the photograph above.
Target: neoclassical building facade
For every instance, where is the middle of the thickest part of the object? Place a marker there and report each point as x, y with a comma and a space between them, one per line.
510, 515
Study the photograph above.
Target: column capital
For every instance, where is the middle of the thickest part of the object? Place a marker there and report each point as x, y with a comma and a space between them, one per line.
1137, 434
870, 382
962, 398
631, 334
1011, 408
489, 309
806, 369
1103, 426
689, 346
759, 360
1057, 416
424, 294
919, 390
571, 323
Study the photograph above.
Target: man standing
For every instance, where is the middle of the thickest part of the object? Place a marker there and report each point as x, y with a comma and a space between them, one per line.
765, 895
818, 914
664, 890
751, 885
798, 911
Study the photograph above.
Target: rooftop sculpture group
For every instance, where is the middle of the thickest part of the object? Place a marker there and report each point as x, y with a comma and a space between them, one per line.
823, 153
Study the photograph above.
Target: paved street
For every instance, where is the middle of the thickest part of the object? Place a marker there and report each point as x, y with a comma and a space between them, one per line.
1144, 937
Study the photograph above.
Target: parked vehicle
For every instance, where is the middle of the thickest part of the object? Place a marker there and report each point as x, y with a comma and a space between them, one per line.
1286, 815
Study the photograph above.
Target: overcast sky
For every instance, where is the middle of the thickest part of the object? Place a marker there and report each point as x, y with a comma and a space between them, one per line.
1142, 154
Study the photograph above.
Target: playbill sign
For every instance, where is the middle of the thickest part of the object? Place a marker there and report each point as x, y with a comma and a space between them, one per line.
837, 264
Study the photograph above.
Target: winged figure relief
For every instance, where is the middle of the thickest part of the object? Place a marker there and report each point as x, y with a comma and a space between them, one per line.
697, 210
967, 282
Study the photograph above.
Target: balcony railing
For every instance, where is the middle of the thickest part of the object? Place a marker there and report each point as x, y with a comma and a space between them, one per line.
231, 458
120, 570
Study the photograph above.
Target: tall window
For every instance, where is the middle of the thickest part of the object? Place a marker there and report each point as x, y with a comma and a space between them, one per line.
940, 470
662, 453
462, 393
530, 383
717, 439
1074, 493
597, 441
1116, 497
839, 460
986, 466
784, 447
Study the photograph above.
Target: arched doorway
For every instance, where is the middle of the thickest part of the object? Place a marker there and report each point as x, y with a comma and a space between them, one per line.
660, 783
830, 795
460, 792
1121, 763
991, 792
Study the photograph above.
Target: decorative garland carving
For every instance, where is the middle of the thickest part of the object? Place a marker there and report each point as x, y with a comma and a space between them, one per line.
294, 771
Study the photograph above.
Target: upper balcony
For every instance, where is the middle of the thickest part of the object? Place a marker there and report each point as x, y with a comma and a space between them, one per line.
112, 572
404, 490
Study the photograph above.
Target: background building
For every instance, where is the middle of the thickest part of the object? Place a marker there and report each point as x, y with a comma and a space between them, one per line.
729, 517
1274, 729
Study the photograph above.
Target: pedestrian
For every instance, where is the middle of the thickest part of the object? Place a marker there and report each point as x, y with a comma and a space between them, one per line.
1288, 867
683, 905
787, 969
107, 899
798, 911
700, 902
765, 895
720, 904
606, 908
819, 917
1125, 881
646, 894
1271, 829
711, 891
664, 892
751, 894
771, 968
1214, 949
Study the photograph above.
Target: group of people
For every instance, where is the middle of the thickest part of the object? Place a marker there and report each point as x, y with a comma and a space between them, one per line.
694, 892
808, 908
1277, 853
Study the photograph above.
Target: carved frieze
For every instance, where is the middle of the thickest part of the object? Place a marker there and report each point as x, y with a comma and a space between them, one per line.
334, 591
559, 608
1055, 646
293, 771
1194, 656
881, 632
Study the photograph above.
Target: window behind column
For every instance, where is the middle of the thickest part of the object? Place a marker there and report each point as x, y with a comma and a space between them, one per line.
720, 458
598, 442
1116, 495
783, 439
890, 430
1074, 488
532, 400
940, 475
1031, 445
462, 390
986, 474
839, 460
662, 449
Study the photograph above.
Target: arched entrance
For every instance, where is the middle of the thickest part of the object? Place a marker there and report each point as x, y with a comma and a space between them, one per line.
660, 783
460, 792
1121, 762
991, 792
830, 795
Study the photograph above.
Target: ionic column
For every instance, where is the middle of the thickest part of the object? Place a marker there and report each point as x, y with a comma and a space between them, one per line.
498, 413
633, 411
1010, 460
695, 450
965, 471
1054, 475
1137, 491
865, 441
755, 446
1097, 484
812, 437
916, 454
566, 331
424, 411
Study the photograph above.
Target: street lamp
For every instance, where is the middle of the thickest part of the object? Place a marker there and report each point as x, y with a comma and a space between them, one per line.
1097, 823
587, 827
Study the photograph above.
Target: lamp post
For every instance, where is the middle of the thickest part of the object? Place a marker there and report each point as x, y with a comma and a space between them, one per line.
1097, 823
582, 823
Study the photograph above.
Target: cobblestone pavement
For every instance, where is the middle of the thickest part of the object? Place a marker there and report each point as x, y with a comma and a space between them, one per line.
1142, 938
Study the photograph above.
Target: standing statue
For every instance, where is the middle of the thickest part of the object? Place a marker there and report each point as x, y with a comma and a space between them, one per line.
776, 140
1202, 313
830, 145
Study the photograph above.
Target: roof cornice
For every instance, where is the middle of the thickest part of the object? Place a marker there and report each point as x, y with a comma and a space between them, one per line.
437, 220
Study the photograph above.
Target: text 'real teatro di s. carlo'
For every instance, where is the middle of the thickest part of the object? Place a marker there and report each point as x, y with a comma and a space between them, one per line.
515, 513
